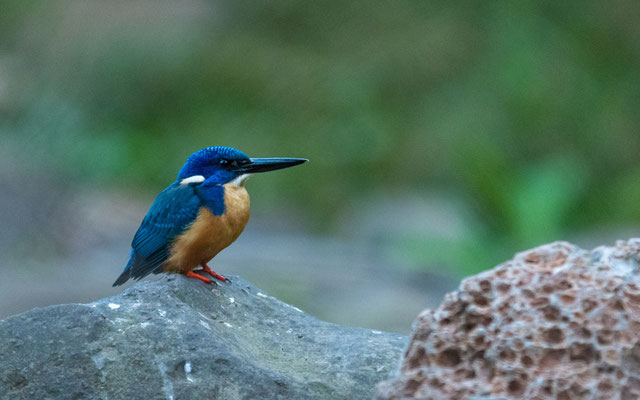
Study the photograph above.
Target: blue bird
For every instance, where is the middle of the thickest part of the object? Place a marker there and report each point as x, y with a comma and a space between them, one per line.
198, 215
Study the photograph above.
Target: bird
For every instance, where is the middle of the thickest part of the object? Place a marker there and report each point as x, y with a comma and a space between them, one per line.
198, 215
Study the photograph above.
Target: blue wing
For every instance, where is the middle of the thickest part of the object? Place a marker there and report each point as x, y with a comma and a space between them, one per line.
170, 214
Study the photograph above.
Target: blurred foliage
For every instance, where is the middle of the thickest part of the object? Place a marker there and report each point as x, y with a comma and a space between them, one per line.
527, 110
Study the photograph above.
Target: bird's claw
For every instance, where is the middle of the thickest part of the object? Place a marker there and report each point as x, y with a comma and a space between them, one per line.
214, 274
193, 275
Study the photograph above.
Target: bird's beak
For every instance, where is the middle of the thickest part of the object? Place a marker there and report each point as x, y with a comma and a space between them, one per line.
268, 164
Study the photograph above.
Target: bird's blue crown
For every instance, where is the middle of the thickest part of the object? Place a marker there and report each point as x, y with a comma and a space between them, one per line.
213, 163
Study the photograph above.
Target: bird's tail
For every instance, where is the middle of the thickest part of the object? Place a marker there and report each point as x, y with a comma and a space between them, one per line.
124, 276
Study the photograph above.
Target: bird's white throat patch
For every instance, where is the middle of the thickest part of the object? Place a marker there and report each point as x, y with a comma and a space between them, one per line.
239, 181
192, 179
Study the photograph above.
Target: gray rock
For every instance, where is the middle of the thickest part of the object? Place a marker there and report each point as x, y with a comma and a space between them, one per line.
178, 338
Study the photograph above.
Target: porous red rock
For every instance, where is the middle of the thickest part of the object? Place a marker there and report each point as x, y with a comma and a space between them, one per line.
555, 322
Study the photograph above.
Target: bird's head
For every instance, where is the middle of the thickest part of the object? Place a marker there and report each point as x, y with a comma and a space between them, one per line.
218, 165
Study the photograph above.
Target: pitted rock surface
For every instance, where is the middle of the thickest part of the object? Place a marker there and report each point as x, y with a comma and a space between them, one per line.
178, 338
556, 322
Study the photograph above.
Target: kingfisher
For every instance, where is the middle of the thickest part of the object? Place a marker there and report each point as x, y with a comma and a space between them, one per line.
198, 215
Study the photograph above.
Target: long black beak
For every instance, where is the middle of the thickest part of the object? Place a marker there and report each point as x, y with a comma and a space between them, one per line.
268, 164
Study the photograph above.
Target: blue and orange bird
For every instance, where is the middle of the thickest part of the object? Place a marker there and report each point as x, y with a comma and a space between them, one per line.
198, 215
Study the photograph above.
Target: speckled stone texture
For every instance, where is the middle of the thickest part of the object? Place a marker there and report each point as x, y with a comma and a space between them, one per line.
177, 338
556, 322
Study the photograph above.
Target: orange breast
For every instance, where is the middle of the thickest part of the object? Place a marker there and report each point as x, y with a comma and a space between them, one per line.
209, 234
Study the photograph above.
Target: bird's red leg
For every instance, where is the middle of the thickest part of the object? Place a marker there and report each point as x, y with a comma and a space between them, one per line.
213, 273
192, 274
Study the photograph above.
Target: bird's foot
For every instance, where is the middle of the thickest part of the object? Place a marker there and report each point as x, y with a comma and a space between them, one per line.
214, 274
192, 274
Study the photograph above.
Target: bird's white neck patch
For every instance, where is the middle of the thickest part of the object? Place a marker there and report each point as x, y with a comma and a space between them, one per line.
239, 181
192, 179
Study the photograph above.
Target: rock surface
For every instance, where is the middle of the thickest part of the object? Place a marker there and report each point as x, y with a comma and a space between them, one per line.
178, 338
555, 322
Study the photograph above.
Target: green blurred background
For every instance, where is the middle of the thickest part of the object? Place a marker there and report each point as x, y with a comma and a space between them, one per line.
443, 136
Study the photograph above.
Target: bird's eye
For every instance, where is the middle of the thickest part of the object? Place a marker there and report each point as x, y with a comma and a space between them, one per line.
223, 163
